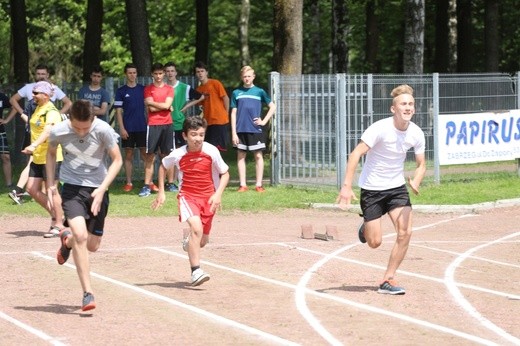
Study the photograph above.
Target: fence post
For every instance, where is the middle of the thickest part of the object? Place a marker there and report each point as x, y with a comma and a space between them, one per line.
436, 111
274, 91
518, 107
341, 133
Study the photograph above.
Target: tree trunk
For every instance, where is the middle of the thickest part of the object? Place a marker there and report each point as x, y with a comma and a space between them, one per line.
92, 44
452, 36
202, 32
287, 60
413, 55
464, 36
19, 41
315, 36
339, 36
442, 43
372, 37
139, 36
244, 32
287, 32
491, 28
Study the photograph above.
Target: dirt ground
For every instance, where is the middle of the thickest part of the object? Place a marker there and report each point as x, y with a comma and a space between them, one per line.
268, 285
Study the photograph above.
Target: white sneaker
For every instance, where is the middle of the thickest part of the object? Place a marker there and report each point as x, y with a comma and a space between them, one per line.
185, 243
53, 232
198, 277
14, 196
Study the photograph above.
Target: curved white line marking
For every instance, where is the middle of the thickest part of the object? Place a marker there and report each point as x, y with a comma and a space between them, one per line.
340, 300
459, 298
31, 330
301, 304
301, 287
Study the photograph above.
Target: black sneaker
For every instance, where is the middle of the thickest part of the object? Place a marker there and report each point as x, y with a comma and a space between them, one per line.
361, 232
63, 252
389, 287
88, 302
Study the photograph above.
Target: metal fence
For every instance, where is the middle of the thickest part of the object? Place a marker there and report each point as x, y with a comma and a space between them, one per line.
15, 130
320, 118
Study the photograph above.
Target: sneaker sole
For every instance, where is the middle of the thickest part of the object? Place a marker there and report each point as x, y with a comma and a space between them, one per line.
59, 257
15, 199
201, 280
397, 293
88, 307
50, 235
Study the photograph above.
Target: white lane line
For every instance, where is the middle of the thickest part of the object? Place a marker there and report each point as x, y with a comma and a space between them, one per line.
340, 300
407, 273
463, 302
505, 264
182, 305
301, 288
31, 330
301, 302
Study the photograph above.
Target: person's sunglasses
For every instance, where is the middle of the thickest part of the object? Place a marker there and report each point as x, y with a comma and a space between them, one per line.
37, 93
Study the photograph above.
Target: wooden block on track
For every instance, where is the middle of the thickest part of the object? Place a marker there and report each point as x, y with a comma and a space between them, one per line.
307, 231
332, 232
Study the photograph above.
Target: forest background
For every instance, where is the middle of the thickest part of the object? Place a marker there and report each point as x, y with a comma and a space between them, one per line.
358, 36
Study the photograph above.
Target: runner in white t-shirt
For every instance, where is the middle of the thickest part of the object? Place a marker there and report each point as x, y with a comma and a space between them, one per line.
382, 182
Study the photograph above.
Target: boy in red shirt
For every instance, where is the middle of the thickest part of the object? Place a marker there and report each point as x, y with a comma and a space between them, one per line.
158, 98
203, 176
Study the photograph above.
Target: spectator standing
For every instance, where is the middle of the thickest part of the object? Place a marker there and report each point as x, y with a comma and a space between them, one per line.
131, 118
158, 98
215, 107
41, 74
96, 94
5, 154
184, 97
247, 125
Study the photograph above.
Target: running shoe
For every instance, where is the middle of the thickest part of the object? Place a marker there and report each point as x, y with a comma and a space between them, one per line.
198, 277
128, 187
390, 287
145, 191
88, 302
63, 252
172, 188
14, 196
54, 231
361, 232
242, 189
259, 189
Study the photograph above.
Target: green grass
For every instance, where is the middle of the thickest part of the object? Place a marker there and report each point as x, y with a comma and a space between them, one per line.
459, 188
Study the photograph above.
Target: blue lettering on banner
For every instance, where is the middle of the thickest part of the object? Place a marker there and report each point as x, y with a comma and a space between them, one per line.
487, 131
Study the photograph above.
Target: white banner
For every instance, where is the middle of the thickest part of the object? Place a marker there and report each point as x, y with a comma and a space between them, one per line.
478, 137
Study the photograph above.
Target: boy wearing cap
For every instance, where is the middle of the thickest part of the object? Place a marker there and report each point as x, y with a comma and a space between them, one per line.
45, 116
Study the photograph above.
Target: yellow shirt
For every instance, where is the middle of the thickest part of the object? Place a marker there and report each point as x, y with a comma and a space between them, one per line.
44, 115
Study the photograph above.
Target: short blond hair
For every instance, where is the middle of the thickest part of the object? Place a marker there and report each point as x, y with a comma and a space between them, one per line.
402, 89
245, 69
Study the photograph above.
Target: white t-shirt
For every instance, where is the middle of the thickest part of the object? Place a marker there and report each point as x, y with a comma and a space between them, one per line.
27, 89
384, 164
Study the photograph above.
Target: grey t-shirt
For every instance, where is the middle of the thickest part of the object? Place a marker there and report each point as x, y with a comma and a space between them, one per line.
85, 159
